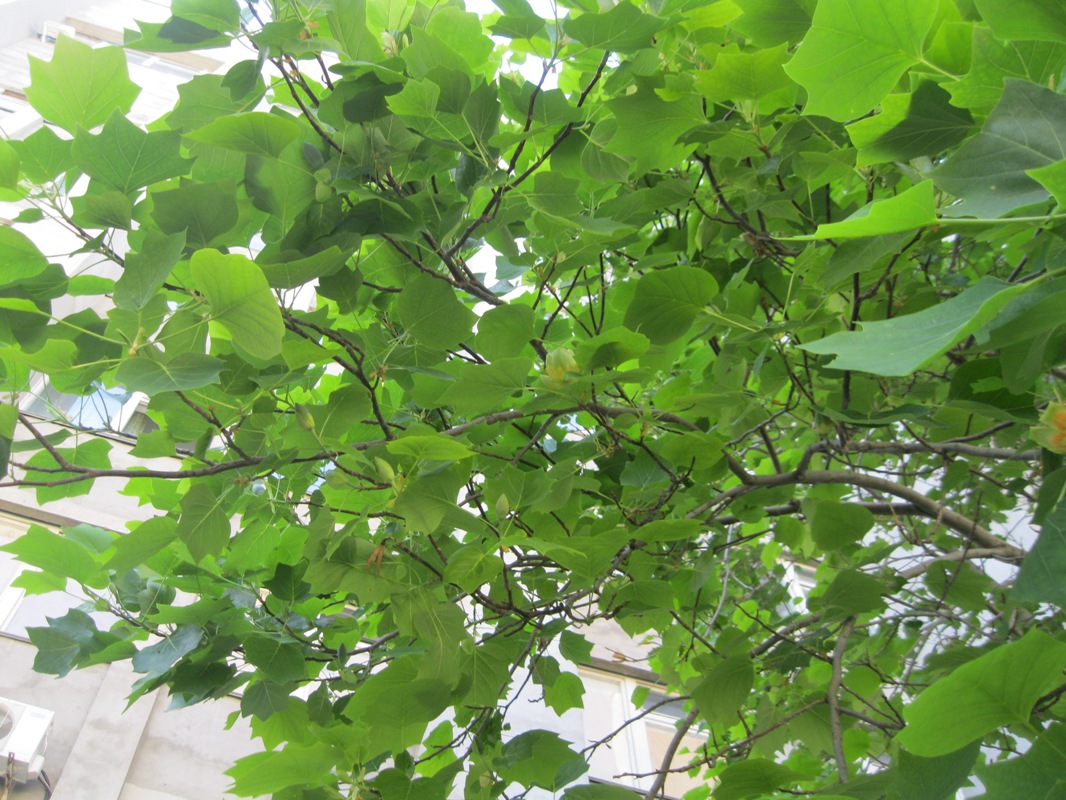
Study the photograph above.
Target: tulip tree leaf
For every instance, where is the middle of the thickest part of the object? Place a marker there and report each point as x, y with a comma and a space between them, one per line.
125, 157
1026, 19
1036, 773
241, 300
909, 126
429, 309
159, 657
255, 132
989, 172
145, 270
904, 344
667, 302
623, 29
81, 86
19, 256
917, 778
1040, 577
908, 210
999, 688
203, 524
855, 52
993, 61
723, 690
184, 371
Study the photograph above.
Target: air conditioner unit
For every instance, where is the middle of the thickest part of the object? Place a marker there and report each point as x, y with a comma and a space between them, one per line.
24, 732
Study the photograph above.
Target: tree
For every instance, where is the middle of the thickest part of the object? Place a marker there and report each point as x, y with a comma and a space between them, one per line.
451, 363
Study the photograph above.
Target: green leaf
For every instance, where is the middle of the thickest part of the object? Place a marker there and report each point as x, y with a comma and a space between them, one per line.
540, 758
724, 690
283, 186
398, 705
852, 592
161, 656
298, 271
999, 688
667, 302
184, 371
599, 791
669, 530
1053, 178
431, 313
125, 157
240, 300
19, 257
254, 132
920, 124
145, 270
989, 172
56, 554
771, 22
993, 61
835, 525
9, 166
1040, 578
57, 650
917, 778
263, 699
901, 345
263, 774
483, 387
756, 776
429, 448
856, 51
611, 348
173, 36
218, 15
102, 209
347, 23
469, 567
747, 76
89, 452
914, 208
575, 647
623, 29
426, 502
9, 416
649, 127
1025, 19
203, 212
43, 155
81, 86
204, 525
1036, 773
279, 662
147, 539
504, 331
206, 98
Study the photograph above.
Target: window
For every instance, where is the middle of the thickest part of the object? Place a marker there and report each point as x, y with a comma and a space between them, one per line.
19, 611
103, 409
638, 748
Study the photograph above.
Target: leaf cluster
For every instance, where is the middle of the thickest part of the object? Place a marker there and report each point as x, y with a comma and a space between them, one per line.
463, 336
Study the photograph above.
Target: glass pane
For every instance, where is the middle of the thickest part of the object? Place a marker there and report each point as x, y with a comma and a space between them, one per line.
660, 735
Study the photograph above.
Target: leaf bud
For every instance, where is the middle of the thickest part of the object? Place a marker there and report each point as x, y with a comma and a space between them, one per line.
385, 470
303, 417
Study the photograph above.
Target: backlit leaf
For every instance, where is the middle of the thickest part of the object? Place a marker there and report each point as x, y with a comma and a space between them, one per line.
855, 52
81, 86
241, 300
